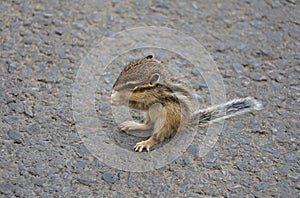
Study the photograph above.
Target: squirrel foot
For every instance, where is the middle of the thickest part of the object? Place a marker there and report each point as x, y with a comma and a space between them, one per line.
144, 144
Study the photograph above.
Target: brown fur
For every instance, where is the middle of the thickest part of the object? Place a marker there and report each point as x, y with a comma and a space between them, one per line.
146, 86
167, 104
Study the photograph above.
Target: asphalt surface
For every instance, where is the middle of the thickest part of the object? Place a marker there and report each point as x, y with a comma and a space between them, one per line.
255, 45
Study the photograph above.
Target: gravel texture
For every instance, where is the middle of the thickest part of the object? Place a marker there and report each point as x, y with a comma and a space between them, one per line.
255, 45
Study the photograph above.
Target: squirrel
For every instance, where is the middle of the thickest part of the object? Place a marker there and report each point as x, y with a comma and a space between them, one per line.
168, 102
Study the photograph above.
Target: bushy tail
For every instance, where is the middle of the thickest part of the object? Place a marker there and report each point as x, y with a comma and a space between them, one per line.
227, 110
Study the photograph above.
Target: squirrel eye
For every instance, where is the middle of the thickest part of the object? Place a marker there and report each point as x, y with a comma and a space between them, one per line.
149, 57
131, 86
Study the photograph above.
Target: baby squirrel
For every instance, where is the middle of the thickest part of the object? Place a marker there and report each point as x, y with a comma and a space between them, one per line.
144, 85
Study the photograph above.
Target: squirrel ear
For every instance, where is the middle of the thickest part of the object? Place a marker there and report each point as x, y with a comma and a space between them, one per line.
154, 79
149, 56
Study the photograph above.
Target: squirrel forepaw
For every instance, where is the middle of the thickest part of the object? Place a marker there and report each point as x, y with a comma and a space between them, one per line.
133, 126
128, 126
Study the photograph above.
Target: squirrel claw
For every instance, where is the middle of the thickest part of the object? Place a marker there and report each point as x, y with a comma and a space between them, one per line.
141, 145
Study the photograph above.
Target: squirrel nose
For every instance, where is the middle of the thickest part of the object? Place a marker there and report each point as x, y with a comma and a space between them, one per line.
115, 98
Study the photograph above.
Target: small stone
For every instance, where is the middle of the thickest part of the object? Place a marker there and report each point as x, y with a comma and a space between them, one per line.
108, 178
255, 124
233, 188
28, 108
235, 154
52, 180
198, 97
252, 162
276, 155
289, 157
17, 107
238, 68
34, 129
87, 182
203, 85
293, 147
210, 158
59, 32
267, 51
258, 77
242, 47
65, 189
156, 179
14, 25
194, 150
34, 171
142, 5
258, 15
7, 46
154, 191
7, 98
27, 23
240, 165
221, 49
274, 130
291, 1
186, 161
63, 55
83, 149
257, 65
15, 135
39, 182
259, 186
294, 177
115, 1
164, 5
28, 41
6, 188
12, 66
195, 72
147, 189
258, 24
194, 4
275, 4
96, 162
295, 88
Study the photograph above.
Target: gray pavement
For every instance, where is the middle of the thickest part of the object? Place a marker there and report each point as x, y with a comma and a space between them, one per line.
256, 46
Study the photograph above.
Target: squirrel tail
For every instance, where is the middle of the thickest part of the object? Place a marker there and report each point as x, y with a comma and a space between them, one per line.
227, 110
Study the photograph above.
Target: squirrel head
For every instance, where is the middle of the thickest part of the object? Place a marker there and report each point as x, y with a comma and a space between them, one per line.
136, 80
142, 73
